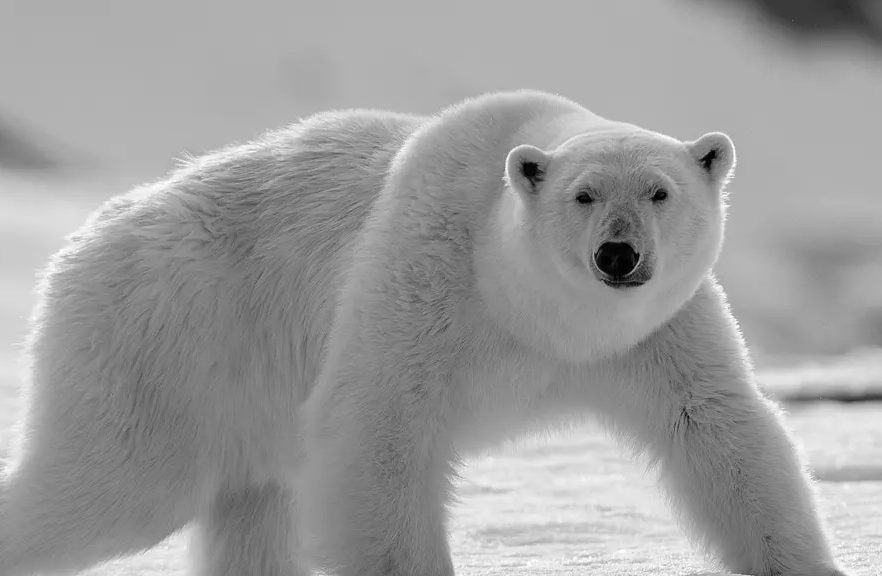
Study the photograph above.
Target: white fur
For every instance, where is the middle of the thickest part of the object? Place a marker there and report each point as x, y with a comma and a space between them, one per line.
385, 285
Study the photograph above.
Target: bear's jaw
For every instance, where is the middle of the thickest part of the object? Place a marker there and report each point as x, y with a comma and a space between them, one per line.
623, 284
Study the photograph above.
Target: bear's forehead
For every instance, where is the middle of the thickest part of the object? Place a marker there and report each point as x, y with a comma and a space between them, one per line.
631, 154
620, 140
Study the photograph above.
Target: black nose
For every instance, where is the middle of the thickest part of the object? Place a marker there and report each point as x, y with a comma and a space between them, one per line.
616, 259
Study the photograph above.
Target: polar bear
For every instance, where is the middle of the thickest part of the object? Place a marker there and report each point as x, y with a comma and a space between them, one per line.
295, 340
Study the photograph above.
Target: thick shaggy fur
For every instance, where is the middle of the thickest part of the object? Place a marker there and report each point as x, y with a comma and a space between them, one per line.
312, 329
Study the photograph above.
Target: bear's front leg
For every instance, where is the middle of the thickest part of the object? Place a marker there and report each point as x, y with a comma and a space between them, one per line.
377, 466
687, 396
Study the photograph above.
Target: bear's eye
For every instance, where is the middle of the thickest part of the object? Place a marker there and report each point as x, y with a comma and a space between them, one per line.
584, 197
660, 195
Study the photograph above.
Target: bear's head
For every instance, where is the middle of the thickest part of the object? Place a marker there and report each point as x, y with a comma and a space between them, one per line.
622, 222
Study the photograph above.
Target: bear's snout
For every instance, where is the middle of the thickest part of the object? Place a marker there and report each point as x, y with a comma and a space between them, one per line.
616, 259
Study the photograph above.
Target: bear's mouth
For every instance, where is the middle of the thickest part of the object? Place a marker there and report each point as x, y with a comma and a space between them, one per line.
622, 284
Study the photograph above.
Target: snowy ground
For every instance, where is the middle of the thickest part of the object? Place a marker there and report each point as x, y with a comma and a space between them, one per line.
576, 504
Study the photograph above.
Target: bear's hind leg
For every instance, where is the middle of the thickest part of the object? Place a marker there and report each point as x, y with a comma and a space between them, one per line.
67, 509
249, 530
82, 494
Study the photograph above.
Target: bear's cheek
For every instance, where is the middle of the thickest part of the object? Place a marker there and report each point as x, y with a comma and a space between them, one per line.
572, 229
666, 236
685, 238
573, 245
585, 242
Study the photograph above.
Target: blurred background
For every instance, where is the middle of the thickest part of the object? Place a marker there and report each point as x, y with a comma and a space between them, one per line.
97, 96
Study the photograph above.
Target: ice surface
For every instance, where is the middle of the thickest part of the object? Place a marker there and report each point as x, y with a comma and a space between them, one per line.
576, 504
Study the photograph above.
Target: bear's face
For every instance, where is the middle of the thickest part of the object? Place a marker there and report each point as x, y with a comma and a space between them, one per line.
625, 210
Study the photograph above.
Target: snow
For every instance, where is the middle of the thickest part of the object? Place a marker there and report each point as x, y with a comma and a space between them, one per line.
852, 377
577, 504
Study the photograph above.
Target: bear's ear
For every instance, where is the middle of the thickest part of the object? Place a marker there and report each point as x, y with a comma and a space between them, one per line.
715, 155
525, 168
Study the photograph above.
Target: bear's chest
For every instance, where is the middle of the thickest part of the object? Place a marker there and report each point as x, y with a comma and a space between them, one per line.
502, 395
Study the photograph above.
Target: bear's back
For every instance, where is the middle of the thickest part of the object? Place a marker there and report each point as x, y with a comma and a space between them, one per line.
228, 271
